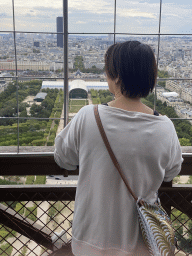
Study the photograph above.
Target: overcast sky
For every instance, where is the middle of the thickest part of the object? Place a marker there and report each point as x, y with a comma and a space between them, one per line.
134, 16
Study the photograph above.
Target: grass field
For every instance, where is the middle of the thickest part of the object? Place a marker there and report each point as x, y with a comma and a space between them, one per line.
76, 105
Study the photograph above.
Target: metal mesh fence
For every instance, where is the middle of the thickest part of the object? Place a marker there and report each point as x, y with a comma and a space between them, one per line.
177, 202
55, 215
51, 217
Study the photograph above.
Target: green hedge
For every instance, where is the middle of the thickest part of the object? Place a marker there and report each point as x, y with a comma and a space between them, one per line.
30, 179
50, 142
57, 121
96, 101
94, 93
40, 142
40, 180
6, 182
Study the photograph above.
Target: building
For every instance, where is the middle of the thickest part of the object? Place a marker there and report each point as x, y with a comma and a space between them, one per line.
60, 30
36, 44
76, 84
25, 65
40, 96
78, 90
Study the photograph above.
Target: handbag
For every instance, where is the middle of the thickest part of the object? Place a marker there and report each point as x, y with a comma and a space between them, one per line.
155, 223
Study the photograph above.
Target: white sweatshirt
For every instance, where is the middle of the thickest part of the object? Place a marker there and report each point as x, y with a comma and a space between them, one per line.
147, 148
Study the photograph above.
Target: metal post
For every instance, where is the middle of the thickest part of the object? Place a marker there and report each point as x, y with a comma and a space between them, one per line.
158, 51
16, 76
65, 52
115, 7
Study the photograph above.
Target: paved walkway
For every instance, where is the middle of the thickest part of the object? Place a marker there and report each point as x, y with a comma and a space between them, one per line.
89, 99
61, 123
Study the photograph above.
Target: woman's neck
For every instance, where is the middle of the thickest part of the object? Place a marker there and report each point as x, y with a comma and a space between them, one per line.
130, 104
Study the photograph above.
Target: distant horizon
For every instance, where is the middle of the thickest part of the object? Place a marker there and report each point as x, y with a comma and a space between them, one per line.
103, 35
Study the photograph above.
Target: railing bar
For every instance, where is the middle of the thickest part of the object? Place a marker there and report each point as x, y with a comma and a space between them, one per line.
121, 33
53, 78
32, 118
59, 118
30, 189
95, 33
40, 154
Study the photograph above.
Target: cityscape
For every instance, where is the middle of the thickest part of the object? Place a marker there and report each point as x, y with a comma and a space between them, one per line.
41, 55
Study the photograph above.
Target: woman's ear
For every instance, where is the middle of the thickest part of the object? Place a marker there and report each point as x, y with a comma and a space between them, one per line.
117, 81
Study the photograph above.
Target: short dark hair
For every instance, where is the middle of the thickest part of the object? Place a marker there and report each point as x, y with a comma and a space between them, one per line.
134, 64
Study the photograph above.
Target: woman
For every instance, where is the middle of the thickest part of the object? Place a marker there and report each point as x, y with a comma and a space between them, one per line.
145, 144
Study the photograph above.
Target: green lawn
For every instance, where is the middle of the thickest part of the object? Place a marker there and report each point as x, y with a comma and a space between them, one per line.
82, 102
76, 105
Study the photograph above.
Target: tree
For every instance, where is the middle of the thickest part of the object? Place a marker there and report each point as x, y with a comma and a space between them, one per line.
35, 110
48, 103
109, 98
23, 114
162, 83
184, 142
163, 74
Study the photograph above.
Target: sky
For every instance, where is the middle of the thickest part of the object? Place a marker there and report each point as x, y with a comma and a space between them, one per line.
97, 16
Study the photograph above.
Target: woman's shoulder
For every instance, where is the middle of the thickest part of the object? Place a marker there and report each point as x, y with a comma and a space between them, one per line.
86, 108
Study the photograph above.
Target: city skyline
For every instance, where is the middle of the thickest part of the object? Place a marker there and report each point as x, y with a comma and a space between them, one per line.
136, 16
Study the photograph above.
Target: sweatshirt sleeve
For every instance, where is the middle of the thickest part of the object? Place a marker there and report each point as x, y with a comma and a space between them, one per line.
66, 152
173, 167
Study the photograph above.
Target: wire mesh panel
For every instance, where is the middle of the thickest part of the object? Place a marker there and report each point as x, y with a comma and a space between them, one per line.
52, 213
177, 202
53, 218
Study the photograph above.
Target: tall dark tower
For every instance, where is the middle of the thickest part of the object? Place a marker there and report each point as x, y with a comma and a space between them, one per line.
60, 29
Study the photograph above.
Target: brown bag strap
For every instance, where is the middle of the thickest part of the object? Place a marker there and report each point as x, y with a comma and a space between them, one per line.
113, 158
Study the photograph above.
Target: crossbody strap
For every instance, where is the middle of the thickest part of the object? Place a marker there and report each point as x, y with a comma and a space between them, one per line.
113, 158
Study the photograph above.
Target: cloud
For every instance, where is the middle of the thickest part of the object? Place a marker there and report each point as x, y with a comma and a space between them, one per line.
135, 13
175, 16
28, 4
3, 15
97, 7
81, 22
142, 14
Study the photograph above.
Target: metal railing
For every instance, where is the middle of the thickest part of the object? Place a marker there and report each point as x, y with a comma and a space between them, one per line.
50, 207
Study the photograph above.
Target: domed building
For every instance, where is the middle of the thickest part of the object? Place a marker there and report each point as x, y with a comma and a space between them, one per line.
78, 90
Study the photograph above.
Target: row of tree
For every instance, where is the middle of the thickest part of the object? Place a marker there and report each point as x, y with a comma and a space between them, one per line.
101, 96
34, 132
183, 127
8, 99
